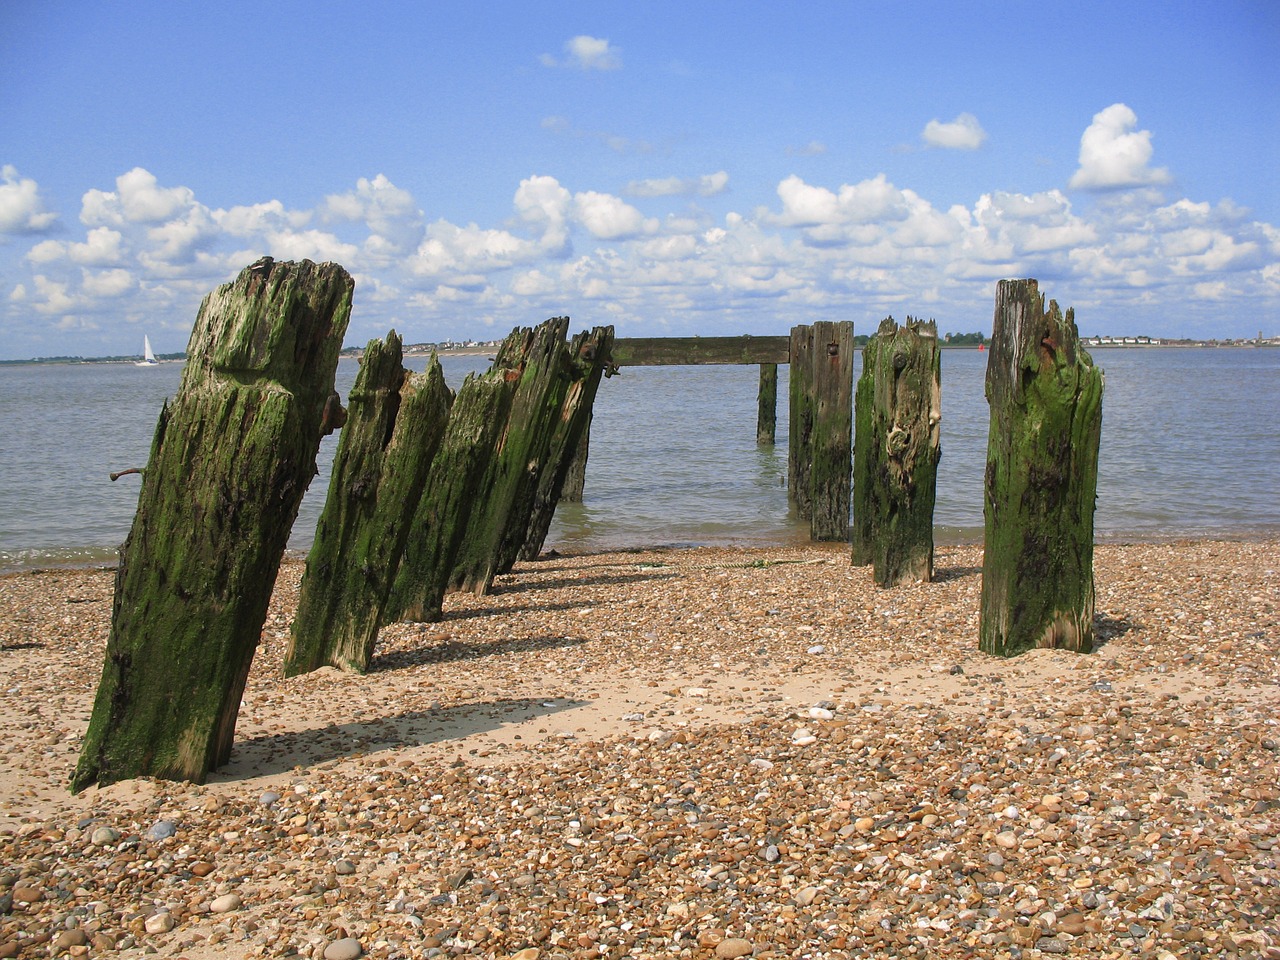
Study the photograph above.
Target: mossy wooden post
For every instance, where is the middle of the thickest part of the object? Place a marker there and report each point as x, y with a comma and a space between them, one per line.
575, 480
441, 522
767, 405
831, 439
589, 355
395, 421
501, 505
1041, 478
231, 458
896, 451
799, 433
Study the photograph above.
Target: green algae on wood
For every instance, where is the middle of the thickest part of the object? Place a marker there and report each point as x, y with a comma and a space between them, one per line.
898, 409
1045, 396
395, 421
589, 361
820, 435
231, 458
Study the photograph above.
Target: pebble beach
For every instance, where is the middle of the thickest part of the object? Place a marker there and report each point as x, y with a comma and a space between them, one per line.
698, 753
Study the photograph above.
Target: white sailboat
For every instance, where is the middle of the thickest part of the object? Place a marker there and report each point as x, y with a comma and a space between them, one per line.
148, 358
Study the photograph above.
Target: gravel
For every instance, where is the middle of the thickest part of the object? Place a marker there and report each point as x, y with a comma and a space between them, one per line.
688, 753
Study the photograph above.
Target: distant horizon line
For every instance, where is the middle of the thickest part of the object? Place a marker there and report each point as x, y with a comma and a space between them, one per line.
419, 349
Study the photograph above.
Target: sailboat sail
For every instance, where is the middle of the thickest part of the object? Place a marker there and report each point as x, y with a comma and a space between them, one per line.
148, 357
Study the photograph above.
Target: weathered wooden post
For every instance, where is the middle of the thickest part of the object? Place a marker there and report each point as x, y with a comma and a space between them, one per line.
231, 458
801, 406
896, 451
767, 410
458, 473
831, 441
589, 359
1041, 478
575, 480
395, 421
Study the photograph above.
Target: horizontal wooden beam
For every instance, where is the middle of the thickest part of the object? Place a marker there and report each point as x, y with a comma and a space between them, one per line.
671, 351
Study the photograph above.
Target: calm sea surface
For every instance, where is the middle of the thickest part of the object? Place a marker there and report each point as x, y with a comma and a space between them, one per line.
1190, 448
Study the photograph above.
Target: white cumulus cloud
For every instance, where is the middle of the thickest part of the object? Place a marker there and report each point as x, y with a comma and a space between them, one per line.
1114, 155
607, 217
21, 208
962, 133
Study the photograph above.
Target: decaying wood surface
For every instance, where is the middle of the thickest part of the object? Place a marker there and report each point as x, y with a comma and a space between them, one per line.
395, 422
231, 458
898, 410
1041, 478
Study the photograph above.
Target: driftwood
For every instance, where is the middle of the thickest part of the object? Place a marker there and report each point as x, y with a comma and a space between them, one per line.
231, 458
395, 422
1041, 478
898, 408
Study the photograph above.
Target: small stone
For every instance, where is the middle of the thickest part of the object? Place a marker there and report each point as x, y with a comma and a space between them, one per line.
820, 713
344, 868
806, 896
734, 947
268, 798
225, 903
201, 868
159, 923
1007, 839
818, 648
771, 853
528, 953
348, 948
27, 894
1051, 945
104, 835
68, 939
162, 830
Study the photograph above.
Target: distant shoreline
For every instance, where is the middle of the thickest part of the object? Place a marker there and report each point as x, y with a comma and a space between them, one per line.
414, 350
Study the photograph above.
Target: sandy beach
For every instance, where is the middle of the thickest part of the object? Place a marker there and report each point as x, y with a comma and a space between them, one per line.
695, 753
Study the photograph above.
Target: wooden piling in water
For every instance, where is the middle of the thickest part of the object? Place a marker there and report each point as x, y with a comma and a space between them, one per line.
898, 409
767, 405
231, 458
820, 440
1041, 478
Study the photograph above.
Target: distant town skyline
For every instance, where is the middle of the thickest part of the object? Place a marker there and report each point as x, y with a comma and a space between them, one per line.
671, 169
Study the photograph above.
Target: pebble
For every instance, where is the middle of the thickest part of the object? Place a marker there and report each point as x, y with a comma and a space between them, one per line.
162, 830
225, 903
348, 948
104, 836
159, 922
734, 947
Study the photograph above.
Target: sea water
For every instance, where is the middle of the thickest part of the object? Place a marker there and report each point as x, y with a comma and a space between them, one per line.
1190, 448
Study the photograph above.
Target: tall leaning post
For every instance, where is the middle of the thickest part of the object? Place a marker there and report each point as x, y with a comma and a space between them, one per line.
1041, 478
231, 458
395, 421
898, 410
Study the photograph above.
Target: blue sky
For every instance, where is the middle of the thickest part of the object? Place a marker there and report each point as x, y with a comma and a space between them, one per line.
671, 168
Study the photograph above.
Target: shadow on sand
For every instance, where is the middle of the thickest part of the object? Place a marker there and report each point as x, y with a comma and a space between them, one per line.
270, 754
